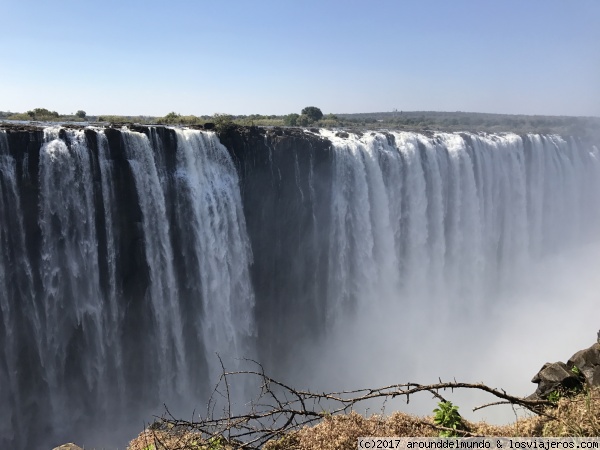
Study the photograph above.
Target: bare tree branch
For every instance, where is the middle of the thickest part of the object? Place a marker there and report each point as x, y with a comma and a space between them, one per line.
280, 408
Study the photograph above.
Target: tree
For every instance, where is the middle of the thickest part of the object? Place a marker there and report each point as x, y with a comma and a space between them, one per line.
304, 121
291, 120
81, 114
223, 122
313, 113
172, 117
42, 113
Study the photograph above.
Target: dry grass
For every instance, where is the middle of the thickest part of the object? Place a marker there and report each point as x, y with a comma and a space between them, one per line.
341, 432
575, 416
165, 440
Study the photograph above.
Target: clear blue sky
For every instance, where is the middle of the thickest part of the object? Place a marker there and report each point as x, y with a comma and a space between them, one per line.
275, 57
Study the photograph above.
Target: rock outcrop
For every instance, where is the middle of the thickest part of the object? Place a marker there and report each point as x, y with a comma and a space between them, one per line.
588, 363
582, 369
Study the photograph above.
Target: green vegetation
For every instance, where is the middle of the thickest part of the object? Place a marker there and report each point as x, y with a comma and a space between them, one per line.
291, 120
223, 122
18, 116
313, 113
554, 396
45, 115
311, 116
221, 119
447, 416
6, 114
144, 120
42, 114
475, 122
216, 443
174, 118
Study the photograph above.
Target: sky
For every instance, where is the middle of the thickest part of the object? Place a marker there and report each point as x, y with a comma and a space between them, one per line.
134, 57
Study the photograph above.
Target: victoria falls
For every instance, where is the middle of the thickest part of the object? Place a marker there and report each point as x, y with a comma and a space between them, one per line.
137, 260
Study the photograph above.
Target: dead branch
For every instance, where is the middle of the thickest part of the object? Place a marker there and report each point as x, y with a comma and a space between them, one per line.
280, 408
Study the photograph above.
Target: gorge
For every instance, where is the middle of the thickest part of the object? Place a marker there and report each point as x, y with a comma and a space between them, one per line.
130, 256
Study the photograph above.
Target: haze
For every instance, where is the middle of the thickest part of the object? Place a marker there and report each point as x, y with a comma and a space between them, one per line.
273, 57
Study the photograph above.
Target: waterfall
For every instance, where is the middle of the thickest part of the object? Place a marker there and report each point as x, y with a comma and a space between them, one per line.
140, 276
130, 258
435, 239
361, 231
218, 253
162, 292
458, 214
70, 302
20, 322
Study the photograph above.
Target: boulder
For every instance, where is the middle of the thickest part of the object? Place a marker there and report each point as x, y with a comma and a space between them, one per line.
588, 363
555, 377
582, 367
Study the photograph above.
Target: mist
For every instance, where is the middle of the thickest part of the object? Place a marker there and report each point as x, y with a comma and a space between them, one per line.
545, 318
513, 286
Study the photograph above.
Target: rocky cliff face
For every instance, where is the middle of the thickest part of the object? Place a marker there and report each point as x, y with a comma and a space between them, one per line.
285, 181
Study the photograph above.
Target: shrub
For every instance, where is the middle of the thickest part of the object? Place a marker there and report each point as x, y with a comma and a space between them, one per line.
291, 120
313, 113
447, 416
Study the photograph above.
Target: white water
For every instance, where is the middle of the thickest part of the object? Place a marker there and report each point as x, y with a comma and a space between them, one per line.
78, 332
210, 214
71, 301
163, 290
15, 282
113, 311
216, 255
468, 218
443, 243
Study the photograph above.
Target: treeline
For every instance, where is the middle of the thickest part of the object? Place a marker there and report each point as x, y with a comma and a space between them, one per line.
309, 116
172, 118
409, 121
312, 116
465, 121
45, 115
